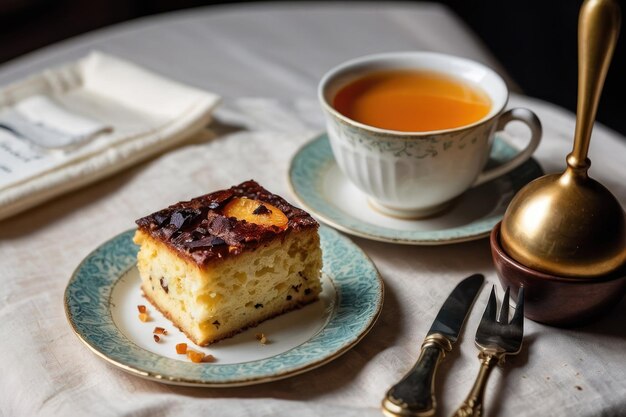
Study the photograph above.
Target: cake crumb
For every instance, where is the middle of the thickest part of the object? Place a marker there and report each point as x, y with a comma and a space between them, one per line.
144, 317
159, 330
181, 348
194, 356
261, 338
141, 308
156, 338
208, 358
198, 357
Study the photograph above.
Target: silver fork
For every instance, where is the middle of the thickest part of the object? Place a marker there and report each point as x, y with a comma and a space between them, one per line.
495, 338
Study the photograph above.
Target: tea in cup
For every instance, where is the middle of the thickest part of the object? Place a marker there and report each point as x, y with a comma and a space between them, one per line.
413, 130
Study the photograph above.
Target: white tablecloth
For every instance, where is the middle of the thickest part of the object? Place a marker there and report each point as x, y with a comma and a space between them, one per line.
266, 61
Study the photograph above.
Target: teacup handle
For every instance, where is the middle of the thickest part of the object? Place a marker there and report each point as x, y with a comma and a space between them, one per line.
532, 121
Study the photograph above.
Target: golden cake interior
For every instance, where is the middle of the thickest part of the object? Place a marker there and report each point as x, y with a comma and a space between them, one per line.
225, 296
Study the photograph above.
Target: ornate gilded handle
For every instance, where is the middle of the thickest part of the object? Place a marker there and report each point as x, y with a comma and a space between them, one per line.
414, 395
473, 404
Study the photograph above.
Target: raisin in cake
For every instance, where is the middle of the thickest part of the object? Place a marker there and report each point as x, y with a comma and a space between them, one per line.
228, 260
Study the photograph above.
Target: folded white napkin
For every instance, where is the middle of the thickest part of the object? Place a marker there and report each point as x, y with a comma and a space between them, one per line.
72, 125
45, 123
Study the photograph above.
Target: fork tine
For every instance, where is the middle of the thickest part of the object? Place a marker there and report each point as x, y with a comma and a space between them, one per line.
518, 317
492, 306
495, 340
503, 317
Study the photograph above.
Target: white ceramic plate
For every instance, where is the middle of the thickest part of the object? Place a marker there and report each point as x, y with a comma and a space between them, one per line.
101, 302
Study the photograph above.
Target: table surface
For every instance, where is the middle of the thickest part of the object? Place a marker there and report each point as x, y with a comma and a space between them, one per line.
266, 60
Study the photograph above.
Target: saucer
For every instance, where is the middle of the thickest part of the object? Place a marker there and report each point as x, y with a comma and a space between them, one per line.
321, 188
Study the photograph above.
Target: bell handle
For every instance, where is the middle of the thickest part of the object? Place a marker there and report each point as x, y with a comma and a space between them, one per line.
598, 30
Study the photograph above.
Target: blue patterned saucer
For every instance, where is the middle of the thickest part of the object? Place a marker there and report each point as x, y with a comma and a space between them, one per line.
323, 190
101, 302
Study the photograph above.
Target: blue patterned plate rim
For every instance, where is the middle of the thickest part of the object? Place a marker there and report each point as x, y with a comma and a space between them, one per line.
87, 298
310, 163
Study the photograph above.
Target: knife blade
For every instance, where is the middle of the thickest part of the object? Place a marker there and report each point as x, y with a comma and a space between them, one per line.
414, 395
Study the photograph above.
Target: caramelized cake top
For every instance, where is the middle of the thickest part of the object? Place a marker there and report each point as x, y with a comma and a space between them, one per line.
203, 229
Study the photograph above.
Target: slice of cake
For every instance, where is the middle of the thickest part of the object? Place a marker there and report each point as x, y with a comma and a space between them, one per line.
228, 260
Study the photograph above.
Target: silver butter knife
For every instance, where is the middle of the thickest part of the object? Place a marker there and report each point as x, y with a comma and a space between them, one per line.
414, 395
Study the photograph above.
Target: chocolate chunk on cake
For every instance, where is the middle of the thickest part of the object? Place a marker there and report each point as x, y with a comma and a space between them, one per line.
228, 260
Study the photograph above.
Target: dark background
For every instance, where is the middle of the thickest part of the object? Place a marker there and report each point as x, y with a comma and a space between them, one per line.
535, 40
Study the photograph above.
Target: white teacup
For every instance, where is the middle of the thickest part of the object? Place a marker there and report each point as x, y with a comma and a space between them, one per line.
416, 174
